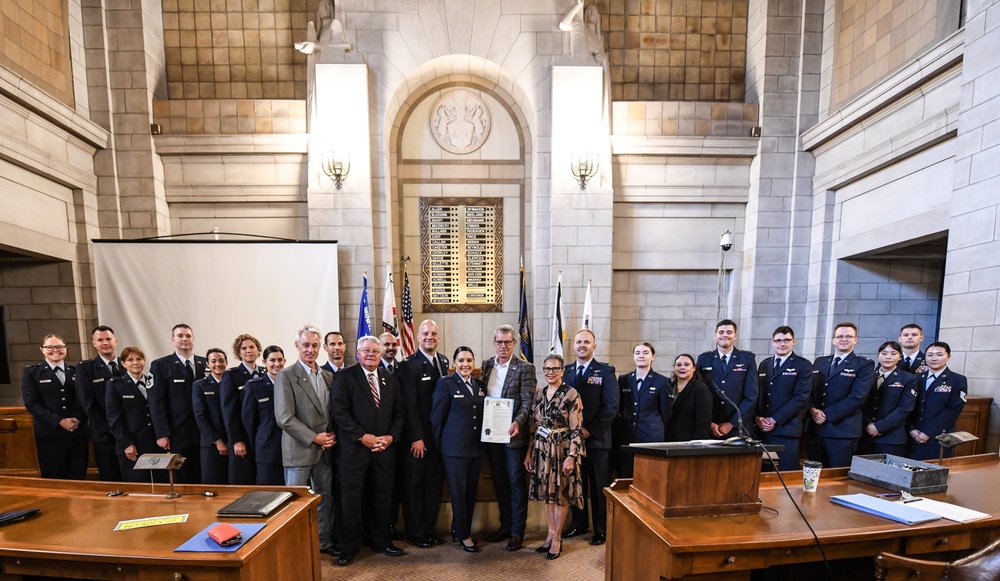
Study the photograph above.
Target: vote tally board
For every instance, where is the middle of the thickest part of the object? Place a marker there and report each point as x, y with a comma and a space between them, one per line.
461, 242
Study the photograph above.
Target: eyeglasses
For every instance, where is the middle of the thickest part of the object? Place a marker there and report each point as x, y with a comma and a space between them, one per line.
53, 347
842, 337
551, 369
507, 342
781, 341
370, 351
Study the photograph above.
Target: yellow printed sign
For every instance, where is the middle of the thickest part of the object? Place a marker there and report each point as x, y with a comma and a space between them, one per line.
153, 521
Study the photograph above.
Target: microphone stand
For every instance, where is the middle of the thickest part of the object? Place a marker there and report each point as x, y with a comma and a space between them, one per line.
741, 429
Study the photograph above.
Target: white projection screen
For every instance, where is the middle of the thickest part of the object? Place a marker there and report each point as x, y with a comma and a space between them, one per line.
220, 288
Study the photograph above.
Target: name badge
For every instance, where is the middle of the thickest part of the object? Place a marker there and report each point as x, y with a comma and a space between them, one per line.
544, 432
128, 397
178, 381
240, 388
707, 368
761, 375
266, 399
209, 393
457, 395
44, 381
425, 379
627, 390
98, 379
652, 390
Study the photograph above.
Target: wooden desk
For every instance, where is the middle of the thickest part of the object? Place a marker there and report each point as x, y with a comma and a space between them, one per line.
643, 546
74, 535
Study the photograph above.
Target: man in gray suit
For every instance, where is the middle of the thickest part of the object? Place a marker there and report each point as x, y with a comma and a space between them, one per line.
514, 379
301, 410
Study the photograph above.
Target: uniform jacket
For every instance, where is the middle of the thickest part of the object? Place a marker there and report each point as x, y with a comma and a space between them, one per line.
128, 415
917, 366
263, 433
170, 403
417, 378
519, 385
939, 405
890, 406
299, 414
231, 392
645, 412
92, 379
739, 383
49, 401
599, 395
207, 403
784, 394
840, 393
457, 416
355, 414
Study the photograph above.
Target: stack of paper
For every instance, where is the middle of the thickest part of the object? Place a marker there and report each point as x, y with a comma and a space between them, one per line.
946, 510
897, 511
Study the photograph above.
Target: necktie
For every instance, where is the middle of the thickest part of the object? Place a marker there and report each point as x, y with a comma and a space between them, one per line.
579, 375
113, 366
909, 362
60, 375
836, 363
725, 362
437, 366
142, 388
638, 383
469, 387
878, 384
189, 371
373, 387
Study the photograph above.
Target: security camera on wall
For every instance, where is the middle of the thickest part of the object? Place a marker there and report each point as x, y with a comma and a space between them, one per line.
726, 242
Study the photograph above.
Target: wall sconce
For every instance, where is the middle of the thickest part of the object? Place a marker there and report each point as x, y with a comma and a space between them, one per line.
584, 167
336, 167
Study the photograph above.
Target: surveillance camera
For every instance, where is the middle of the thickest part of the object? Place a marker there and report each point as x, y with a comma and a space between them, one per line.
726, 242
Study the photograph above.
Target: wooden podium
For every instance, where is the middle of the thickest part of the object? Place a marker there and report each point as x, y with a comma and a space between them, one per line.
683, 479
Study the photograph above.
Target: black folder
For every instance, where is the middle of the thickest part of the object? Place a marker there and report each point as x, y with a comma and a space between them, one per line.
256, 504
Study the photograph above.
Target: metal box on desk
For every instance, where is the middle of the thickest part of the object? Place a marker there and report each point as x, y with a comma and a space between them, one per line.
899, 474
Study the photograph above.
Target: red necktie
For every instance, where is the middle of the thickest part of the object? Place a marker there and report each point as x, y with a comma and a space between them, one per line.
371, 384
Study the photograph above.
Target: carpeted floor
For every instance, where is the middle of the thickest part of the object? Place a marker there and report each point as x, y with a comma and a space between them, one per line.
579, 562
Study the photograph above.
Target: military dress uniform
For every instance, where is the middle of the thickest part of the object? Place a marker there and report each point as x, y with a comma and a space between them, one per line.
172, 410
939, 403
207, 405
263, 433
784, 396
93, 377
232, 390
738, 380
888, 406
49, 400
130, 421
839, 390
916, 364
645, 412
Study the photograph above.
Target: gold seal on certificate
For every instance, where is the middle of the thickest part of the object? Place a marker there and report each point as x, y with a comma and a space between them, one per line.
498, 415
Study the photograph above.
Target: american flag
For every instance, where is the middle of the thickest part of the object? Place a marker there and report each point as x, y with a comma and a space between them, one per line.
406, 329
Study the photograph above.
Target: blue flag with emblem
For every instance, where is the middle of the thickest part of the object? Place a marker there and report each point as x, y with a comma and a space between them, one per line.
364, 327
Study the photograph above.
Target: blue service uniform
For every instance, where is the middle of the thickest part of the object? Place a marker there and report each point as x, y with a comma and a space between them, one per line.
457, 422
92, 379
598, 389
784, 396
232, 391
207, 405
263, 433
888, 407
737, 380
172, 411
937, 410
839, 392
61, 453
916, 366
128, 415
645, 412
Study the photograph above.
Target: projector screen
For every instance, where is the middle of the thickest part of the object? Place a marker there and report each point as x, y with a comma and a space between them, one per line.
220, 288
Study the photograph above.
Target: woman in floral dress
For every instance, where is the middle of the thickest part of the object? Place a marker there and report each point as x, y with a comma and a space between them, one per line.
557, 423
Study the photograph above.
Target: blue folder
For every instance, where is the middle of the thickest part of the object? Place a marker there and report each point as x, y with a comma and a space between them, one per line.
201, 543
899, 512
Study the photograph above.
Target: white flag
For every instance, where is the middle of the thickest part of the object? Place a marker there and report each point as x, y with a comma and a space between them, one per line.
558, 333
588, 309
389, 318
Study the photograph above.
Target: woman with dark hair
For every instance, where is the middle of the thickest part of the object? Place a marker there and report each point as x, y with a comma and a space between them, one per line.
456, 422
128, 415
691, 415
646, 402
891, 399
263, 433
208, 415
552, 460
246, 348
942, 395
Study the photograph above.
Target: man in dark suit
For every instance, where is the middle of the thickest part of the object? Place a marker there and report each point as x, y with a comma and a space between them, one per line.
598, 389
93, 377
912, 358
730, 371
785, 382
840, 386
510, 378
889, 403
423, 471
335, 347
170, 403
49, 393
301, 410
390, 347
367, 408
943, 394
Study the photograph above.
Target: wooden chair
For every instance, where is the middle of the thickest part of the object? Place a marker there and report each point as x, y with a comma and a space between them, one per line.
983, 565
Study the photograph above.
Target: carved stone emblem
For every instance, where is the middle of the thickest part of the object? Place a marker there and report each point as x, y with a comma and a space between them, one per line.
460, 121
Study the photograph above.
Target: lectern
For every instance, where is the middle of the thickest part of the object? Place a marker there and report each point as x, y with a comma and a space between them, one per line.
684, 479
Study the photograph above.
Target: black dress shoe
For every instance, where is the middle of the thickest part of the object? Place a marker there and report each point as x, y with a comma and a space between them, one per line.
498, 536
469, 548
434, 540
573, 532
420, 542
598, 539
345, 559
391, 551
332, 550
550, 555
544, 549
514, 544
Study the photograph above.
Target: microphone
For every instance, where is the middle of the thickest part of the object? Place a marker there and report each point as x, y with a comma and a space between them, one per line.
744, 438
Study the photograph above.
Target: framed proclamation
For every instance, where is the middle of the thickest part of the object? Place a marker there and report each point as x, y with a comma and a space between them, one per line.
461, 247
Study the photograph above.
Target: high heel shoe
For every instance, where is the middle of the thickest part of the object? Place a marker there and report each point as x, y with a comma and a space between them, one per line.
455, 539
469, 548
550, 555
544, 549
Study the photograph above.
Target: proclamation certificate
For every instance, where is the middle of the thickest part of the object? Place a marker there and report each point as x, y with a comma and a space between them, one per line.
498, 415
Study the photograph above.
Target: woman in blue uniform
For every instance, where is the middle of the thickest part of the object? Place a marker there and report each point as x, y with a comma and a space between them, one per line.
128, 415
646, 402
246, 348
263, 432
207, 406
456, 421
942, 395
890, 401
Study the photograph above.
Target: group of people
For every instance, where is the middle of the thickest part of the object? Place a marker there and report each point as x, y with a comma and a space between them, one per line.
383, 434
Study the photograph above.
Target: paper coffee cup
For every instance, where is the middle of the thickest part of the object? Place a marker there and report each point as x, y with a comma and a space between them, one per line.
810, 475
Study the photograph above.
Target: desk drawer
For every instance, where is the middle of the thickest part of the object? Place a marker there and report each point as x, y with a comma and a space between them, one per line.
954, 541
66, 569
167, 573
726, 561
